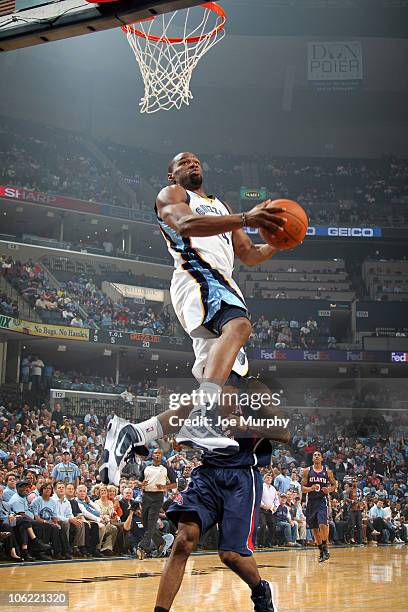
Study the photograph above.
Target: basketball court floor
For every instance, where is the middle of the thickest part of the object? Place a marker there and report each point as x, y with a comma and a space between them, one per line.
369, 579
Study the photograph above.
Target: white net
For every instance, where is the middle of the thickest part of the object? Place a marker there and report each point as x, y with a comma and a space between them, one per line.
168, 49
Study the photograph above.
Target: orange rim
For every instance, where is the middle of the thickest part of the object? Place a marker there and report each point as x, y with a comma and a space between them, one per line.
190, 39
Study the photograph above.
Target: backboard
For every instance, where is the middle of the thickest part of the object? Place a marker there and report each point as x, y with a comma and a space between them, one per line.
32, 22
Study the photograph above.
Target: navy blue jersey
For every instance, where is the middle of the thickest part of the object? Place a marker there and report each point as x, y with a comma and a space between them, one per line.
320, 478
252, 451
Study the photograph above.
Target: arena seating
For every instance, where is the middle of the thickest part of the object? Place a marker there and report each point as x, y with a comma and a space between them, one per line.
79, 302
279, 278
386, 280
333, 191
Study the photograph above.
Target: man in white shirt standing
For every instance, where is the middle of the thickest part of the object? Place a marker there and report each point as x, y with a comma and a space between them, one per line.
156, 479
36, 366
269, 503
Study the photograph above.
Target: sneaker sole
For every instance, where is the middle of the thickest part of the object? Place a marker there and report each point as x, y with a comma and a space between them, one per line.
110, 471
211, 445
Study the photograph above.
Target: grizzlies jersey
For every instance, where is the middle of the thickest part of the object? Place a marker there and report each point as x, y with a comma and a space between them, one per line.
252, 452
320, 478
202, 279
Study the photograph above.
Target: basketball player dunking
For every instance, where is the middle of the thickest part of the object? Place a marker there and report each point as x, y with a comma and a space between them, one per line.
203, 236
318, 482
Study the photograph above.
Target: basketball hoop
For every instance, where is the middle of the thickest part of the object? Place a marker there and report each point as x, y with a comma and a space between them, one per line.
167, 62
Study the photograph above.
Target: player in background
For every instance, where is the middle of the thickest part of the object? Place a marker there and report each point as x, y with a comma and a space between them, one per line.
317, 482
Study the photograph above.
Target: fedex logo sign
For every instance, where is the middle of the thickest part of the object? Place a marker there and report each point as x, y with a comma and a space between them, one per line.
398, 357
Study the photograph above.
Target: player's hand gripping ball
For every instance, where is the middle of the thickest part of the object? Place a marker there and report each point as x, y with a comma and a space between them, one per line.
293, 231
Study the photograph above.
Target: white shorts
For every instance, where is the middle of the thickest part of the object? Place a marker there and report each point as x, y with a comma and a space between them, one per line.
201, 348
196, 304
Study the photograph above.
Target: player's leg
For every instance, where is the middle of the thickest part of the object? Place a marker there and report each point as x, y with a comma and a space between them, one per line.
324, 538
247, 569
318, 540
186, 541
124, 437
234, 335
241, 492
231, 329
316, 535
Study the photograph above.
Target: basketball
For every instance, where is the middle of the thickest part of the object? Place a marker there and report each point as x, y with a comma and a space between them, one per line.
294, 229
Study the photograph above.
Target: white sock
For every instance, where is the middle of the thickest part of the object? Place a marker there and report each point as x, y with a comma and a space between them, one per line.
150, 430
209, 393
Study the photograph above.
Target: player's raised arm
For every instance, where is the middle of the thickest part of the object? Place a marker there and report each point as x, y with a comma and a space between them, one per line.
173, 209
249, 253
253, 254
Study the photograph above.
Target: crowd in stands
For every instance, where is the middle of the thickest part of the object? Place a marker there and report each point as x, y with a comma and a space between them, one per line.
341, 192
8, 306
289, 333
48, 471
48, 159
38, 375
79, 302
334, 191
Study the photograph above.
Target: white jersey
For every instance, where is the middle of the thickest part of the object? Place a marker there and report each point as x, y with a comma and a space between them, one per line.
217, 250
202, 280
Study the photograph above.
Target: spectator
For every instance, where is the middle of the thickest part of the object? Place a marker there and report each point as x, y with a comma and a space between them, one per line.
10, 542
57, 415
76, 321
36, 366
27, 530
91, 513
91, 419
269, 504
285, 523
67, 471
282, 482
91, 530
25, 370
44, 508
109, 518
377, 515
10, 488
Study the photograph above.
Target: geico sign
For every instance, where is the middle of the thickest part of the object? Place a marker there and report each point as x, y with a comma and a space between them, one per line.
365, 232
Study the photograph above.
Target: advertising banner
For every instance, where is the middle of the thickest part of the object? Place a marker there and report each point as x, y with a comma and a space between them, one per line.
31, 328
271, 354
334, 65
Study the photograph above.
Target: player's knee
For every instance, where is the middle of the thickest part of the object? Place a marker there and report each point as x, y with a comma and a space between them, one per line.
241, 327
229, 558
184, 544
